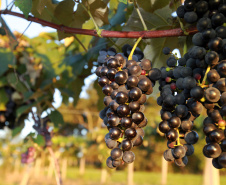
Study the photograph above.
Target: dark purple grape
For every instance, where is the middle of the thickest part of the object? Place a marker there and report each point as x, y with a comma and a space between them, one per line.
115, 133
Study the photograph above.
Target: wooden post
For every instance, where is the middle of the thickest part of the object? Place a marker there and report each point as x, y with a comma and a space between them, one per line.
130, 174
17, 166
64, 168
26, 175
56, 167
82, 165
211, 174
50, 169
164, 171
37, 169
89, 120
103, 176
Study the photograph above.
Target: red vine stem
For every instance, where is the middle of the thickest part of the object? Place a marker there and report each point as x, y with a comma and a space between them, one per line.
57, 167
106, 33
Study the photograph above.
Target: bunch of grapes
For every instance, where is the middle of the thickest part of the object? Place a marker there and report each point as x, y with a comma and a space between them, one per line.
7, 116
29, 156
195, 81
125, 83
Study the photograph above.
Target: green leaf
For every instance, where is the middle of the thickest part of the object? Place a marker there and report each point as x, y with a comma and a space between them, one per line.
27, 95
99, 11
3, 99
151, 6
17, 130
123, 1
64, 12
7, 59
79, 17
46, 13
2, 31
41, 6
76, 87
56, 117
40, 140
3, 81
118, 18
55, 2
16, 83
157, 20
25, 6
24, 109
153, 51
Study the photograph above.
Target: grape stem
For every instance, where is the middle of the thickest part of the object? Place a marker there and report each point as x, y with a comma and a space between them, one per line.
140, 16
106, 33
178, 139
134, 47
91, 16
205, 77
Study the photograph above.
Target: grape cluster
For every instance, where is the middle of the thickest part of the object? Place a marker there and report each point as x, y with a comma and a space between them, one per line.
179, 110
195, 81
193, 10
29, 156
7, 116
125, 84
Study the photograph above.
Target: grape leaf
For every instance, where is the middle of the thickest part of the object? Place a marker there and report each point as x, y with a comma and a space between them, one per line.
78, 19
64, 12
40, 140
99, 11
159, 19
41, 6
7, 59
153, 51
123, 1
24, 5
3, 99
24, 109
101, 15
119, 17
46, 13
55, 1
2, 31
16, 83
56, 117
3, 81
17, 130
151, 6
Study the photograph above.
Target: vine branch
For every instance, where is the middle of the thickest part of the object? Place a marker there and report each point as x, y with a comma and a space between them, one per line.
106, 33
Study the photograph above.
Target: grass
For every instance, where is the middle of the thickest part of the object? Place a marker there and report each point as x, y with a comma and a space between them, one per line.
92, 176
